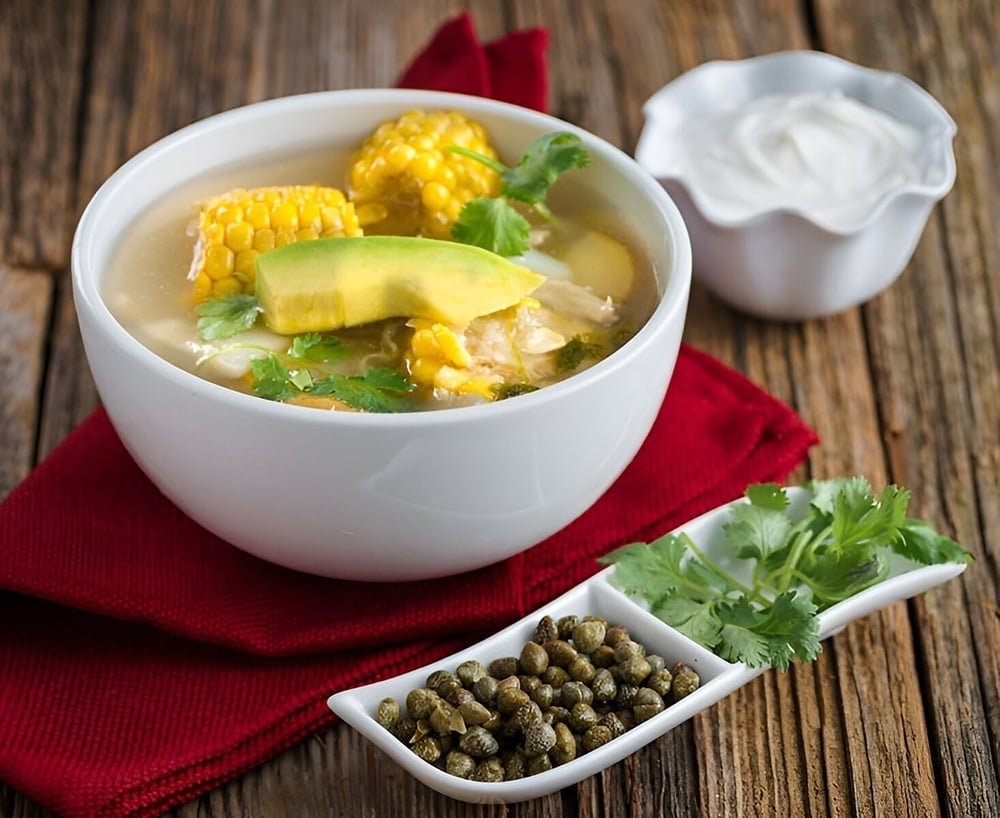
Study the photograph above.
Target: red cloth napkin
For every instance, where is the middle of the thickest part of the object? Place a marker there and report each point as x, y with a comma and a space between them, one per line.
143, 661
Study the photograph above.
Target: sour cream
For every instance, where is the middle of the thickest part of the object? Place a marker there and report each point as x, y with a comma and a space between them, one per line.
822, 153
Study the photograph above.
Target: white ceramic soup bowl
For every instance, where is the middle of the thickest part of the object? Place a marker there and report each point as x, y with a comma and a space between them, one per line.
788, 263
363, 496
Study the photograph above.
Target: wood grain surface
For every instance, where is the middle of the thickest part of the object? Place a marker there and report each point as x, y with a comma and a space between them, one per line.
900, 715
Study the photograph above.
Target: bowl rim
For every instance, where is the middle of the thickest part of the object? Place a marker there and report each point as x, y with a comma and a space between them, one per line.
87, 292
937, 137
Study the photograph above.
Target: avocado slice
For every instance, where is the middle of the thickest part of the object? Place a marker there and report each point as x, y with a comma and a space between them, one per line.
326, 284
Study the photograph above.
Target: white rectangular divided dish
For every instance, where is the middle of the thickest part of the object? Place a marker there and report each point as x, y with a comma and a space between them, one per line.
597, 596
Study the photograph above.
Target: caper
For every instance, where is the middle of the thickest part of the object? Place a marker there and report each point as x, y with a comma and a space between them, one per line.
542, 695
470, 672
446, 719
404, 729
597, 736
561, 653
420, 701
478, 742
474, 712
656, 662
428, 748
545, 631
581, 669
387, 713
604, 656
566, 625
534, 658
616, 634
503, 667
555, 714
529, 684
603, 686
459, 763
648, 703
526, 715
485, 690
686, 681
539, 764
626, 649
489, 770
511, 698
514, 766
582, 717
436, 678
555, 676
494, 722
539, 738
511, 681
626, 717
634, 670
460, 697
575, 692
660, 681
589, 635
615, 724
625, 697
564, 749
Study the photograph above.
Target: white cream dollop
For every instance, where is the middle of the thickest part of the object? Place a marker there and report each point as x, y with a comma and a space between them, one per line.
822, 153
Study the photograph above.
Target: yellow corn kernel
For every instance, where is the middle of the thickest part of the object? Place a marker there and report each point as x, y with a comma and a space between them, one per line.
234, 228
239, 236
202, 287
263, 240
219, 262
423, 370
450, 346
226, 287
403, 181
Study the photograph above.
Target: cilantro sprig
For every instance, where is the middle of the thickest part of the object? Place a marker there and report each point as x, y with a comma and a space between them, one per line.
797, 568
381, 389
494, 223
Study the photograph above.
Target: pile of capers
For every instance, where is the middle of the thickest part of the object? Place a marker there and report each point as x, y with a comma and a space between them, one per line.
578, 684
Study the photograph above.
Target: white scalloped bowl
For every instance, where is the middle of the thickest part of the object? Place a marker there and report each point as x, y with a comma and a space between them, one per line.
784, 263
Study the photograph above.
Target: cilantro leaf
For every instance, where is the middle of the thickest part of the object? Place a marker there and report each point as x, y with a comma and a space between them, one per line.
542, 163
697, 620
664, 566
225, 317
575, 352
921, 543
378, 390
773, 636
760, 526
272, 380
315, 347
493, 225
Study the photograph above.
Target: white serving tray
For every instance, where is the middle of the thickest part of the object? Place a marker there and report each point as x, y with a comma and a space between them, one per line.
597, 596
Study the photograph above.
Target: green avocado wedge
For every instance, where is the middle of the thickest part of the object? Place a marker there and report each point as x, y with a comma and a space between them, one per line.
327, 284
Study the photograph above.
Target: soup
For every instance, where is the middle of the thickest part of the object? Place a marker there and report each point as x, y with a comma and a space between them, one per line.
266, 279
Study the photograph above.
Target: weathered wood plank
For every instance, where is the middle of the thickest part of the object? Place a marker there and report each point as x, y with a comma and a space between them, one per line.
43, 47
934, 347
25, 301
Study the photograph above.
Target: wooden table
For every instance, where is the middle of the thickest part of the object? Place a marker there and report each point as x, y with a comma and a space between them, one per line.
900, 716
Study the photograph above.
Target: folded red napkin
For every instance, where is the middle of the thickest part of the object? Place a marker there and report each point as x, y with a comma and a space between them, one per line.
143, 661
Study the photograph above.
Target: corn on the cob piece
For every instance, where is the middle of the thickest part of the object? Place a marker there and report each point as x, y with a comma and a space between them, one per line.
235, 227
404, 182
